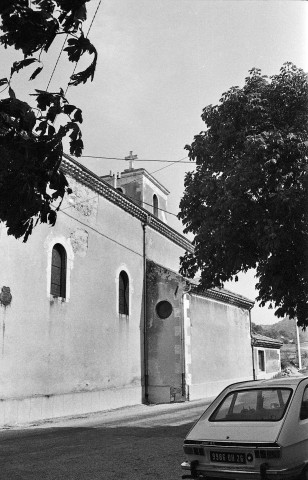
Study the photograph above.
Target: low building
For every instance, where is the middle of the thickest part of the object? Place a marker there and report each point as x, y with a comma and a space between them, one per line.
267, 360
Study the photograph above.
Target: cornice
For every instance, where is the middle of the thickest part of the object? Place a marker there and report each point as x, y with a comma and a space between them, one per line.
93, 181
265, 342
224, 296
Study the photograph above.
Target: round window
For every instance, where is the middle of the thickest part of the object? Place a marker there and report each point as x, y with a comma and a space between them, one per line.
164, 309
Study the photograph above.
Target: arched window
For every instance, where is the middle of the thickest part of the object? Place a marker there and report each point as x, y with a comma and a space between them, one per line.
123, 293
58, 271
155, 205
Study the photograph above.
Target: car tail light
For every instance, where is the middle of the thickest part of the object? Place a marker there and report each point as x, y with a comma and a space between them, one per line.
193, 450
267, 453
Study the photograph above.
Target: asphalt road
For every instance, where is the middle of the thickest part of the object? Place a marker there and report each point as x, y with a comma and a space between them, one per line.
137, 443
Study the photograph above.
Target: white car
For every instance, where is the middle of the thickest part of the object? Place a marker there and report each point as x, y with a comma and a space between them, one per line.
252, 430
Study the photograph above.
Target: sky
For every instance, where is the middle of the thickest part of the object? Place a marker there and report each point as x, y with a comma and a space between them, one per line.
160, 62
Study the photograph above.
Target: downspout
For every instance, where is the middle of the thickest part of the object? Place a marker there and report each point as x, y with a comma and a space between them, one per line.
183, 368
145, 335
185, 388
252, 351
298, 344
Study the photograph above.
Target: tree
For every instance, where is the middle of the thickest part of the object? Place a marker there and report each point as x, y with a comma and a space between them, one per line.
31, 147
246, 202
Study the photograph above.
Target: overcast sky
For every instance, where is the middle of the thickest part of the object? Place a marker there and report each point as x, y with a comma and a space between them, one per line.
160, 62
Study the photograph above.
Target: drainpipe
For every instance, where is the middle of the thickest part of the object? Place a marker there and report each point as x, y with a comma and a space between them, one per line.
145, 333
252, 351
185, 390
183, 348
298, 343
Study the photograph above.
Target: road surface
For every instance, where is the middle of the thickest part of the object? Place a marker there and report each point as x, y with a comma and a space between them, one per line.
136, 443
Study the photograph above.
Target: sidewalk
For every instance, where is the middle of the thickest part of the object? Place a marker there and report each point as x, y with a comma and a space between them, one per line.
108, 417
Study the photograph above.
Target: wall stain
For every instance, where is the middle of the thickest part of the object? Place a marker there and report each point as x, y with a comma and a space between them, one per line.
79, 241
5, 301
5, 296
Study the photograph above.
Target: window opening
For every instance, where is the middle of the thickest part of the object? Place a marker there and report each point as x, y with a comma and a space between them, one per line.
304, 406
164, 309
123, 293
258, 404
261, 360
155, 205
58, 271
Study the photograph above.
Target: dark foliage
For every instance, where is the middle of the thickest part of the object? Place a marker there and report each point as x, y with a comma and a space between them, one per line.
246, 203
31, 185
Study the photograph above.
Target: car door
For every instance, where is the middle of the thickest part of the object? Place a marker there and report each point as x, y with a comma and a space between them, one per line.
294, 432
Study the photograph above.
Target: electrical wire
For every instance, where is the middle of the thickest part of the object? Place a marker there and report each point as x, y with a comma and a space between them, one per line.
99, 4
56, 64
166, 166
137, 159
95, 196
105, 236
128, 183
132, 181
161, 209
5, 88
62, 48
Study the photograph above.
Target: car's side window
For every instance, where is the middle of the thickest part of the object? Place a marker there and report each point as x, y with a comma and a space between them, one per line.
304, 407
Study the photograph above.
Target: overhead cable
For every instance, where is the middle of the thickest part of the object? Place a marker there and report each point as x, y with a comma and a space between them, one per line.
166, 166
99, 4
95, 196
137, 159
56, 64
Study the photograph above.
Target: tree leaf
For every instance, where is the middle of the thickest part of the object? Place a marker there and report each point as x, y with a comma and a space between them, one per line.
52, 218
78, 115
44, 100
42, 127
76, 147
23, 63
35, 73
85, 75
68, 109
11, 93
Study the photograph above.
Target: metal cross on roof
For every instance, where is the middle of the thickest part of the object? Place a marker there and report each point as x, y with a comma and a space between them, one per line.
130, 159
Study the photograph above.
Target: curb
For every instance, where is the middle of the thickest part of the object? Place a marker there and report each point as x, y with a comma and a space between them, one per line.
140, 411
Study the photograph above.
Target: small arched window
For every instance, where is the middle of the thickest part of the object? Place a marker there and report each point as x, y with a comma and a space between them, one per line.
58, 271
123, 293
155, 205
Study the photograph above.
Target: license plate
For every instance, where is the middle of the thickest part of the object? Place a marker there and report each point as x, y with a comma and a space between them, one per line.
228, 457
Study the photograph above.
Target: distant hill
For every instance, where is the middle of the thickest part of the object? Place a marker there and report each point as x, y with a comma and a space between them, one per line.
284, 330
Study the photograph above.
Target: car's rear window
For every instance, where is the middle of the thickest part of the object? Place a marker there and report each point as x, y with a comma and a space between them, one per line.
258, 404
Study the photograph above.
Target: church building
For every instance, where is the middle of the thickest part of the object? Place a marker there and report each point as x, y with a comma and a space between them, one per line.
95, 316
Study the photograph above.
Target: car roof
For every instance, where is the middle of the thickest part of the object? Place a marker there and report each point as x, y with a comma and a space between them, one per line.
273, 382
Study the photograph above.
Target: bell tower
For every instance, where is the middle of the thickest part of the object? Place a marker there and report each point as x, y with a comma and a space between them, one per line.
141, 187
